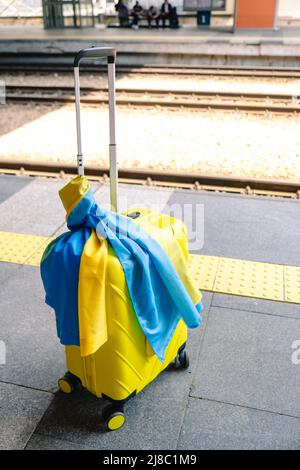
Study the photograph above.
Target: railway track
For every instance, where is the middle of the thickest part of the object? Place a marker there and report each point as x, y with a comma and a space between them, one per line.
255, 102
196, 181
42, 64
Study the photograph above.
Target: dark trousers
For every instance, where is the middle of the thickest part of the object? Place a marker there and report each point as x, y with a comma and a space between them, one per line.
150, 19
164, 17
135, 18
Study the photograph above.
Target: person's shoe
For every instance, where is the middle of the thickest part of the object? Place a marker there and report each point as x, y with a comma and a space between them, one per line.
135, 26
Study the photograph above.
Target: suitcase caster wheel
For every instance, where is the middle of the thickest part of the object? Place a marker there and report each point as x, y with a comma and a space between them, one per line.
182, 360
115, 421
68, 383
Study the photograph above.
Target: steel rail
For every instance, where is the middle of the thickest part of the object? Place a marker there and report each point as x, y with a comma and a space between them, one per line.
155, 91
281, 103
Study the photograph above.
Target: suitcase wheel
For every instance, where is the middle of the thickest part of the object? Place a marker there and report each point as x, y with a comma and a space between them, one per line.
115, 421
68, 383
113, 416
182, 360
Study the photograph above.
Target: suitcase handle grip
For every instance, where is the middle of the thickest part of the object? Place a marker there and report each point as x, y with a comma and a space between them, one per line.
110, 54
96, 53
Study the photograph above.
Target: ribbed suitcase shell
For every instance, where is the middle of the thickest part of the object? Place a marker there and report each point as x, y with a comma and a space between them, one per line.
126, 363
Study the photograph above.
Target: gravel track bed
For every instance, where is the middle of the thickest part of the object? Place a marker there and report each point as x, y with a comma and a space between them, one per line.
211, 142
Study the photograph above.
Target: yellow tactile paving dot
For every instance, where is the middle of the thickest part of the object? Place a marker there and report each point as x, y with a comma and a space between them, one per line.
203, 270
250, 279
292, 284
211, 273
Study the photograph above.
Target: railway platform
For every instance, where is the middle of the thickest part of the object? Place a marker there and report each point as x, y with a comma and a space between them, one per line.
242, 388
185, 46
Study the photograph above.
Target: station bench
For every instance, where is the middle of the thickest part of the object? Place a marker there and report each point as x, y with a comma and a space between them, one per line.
185, 18
111, 20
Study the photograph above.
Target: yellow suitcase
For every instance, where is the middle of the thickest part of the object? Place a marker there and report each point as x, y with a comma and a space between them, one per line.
125, 364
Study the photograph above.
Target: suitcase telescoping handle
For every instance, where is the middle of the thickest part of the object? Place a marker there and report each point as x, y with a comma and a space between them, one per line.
110, 54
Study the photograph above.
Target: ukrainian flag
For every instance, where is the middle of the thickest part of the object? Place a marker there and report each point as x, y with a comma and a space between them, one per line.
73, 271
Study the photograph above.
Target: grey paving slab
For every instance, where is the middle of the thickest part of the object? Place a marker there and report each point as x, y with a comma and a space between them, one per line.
36, 209
206, 301
20, 411
152, 422
34, 356
10, 185
256, 305
255, 228
218, 426
246, 360
38, 442
132, 196
7, 270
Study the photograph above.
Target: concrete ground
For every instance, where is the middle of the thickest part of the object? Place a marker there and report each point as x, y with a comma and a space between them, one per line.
242, 389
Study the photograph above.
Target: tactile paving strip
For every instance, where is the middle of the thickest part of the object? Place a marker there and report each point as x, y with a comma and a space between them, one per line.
246, 278
204, 270
250, 279
21, 248
211, 273
292, 284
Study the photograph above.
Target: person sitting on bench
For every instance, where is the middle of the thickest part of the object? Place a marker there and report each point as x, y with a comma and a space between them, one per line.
152, 14
165, 12
136, 12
